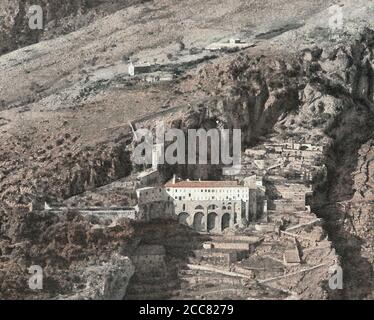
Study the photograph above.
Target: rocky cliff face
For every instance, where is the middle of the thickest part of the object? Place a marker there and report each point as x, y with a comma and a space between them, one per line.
85, 168
80, 257
107, 281
249, 92
303, 94
59, 19
14, 29
348, 206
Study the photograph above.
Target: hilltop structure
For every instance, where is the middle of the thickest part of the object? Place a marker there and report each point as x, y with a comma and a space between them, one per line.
233, 43
135, 69
212, 206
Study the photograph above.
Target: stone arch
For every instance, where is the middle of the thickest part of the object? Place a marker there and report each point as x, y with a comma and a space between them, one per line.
212, 207
182, 218
229, 205
225, 222
198, 221
199, 207
212, 221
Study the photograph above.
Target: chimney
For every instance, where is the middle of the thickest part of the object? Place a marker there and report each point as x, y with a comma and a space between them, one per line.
174, 178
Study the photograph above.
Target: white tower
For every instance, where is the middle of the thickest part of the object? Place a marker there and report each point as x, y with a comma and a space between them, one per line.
131, 69
157, 151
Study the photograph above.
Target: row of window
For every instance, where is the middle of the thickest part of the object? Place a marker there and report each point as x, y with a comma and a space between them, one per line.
154, 191
221, 190
180, 198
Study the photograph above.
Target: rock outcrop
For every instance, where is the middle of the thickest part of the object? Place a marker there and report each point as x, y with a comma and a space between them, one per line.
108, 281
80, 258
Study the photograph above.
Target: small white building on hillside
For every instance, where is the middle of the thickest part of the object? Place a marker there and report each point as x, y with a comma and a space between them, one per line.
135, 69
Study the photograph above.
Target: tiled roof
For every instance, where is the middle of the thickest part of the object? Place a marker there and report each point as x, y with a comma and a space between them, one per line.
202, 184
